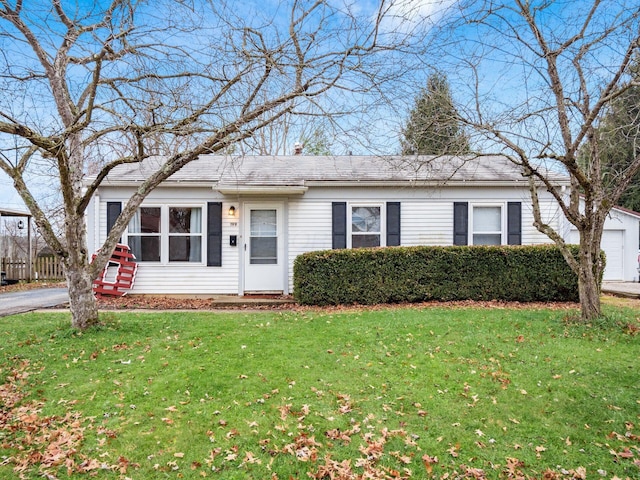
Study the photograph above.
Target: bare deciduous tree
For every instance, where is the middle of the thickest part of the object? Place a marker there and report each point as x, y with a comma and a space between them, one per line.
280, 137
541, 76
88, 81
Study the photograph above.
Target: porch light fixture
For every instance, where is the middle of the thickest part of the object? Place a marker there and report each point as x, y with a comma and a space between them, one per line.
20, 225
232, 211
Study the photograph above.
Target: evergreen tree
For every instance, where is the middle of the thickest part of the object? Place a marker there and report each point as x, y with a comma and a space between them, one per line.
317, 143
433, 127
619, 139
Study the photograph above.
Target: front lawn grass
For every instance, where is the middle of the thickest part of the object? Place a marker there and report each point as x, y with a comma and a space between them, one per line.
373, 393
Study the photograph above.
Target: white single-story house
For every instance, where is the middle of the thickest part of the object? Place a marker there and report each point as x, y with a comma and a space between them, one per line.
235, 224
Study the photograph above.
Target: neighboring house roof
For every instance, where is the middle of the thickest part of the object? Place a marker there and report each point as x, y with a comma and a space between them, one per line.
231, 173
5, 212
620, 209
627, 211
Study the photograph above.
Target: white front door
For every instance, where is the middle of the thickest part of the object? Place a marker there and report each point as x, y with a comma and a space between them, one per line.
264, 262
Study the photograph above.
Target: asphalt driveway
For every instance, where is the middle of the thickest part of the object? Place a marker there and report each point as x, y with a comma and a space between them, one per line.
28, 300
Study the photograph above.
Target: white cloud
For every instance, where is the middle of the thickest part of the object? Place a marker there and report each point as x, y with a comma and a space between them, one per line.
398, 12
406, 15
420, 9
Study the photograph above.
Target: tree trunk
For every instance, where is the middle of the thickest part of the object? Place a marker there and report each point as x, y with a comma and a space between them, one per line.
589, 298
588, 283
84, 308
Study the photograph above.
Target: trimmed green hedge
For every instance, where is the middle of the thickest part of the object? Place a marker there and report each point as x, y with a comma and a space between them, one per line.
415, 274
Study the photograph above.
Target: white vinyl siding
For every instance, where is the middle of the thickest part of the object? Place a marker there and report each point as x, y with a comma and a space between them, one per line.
309, 229
426, 223
431, 223
550, 215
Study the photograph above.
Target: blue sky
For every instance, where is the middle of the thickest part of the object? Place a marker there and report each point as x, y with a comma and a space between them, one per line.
410, 11
507, 82
9, 198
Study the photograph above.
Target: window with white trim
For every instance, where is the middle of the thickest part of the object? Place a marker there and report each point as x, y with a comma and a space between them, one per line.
487, 225
166, 234
185, 234
144, 234
366, 226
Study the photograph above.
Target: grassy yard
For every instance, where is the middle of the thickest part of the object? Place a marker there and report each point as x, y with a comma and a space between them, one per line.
375, 393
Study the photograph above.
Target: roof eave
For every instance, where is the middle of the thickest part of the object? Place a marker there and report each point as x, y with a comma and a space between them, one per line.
8, 212
424, 183
261, 189
166, 183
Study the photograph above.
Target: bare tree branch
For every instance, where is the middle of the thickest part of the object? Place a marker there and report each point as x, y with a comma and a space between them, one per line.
109, 84
565, 67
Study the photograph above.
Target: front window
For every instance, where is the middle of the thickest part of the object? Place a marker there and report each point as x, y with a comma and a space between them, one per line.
487, 225
365, 226
166, 234
145, 233
185, 234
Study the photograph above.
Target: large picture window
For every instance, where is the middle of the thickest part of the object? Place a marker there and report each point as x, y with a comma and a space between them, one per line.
166, 234
366, 223
487, 225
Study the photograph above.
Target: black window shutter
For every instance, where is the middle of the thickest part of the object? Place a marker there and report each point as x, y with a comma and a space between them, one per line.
113, 211
393, 224
214, 234
460, 223
514, 223
339, 225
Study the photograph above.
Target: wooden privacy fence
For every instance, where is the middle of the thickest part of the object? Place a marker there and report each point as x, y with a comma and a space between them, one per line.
44, 268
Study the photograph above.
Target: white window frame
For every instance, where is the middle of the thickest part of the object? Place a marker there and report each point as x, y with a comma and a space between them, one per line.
383, 222
126, 233
190, 234
503, 226
164, 232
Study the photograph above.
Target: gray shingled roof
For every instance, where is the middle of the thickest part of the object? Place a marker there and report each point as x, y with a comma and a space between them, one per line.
303, 170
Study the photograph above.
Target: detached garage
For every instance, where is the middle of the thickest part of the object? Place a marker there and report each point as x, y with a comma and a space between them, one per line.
620, 242
613, 246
